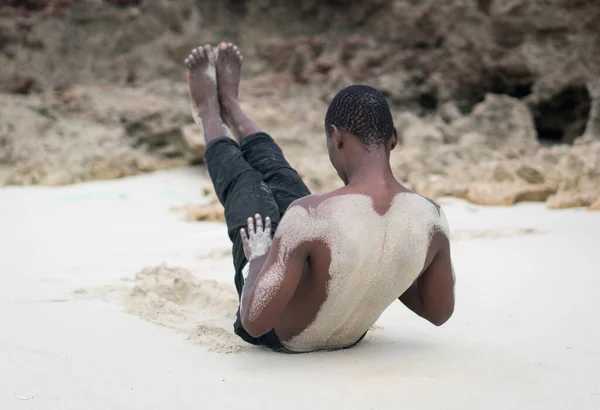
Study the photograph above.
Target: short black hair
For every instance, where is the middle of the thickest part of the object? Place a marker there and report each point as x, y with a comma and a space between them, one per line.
363, 112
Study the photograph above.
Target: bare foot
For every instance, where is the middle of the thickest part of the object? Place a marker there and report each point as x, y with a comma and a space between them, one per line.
229, 67
202, 82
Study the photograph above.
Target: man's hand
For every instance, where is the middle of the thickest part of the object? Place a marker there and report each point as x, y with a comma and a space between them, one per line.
275, 270
257, 242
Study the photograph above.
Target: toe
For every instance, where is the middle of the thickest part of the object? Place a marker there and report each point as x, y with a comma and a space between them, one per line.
209, 52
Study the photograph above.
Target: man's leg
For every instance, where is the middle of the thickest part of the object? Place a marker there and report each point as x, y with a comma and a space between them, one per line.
263, 153
240, 188
258, 148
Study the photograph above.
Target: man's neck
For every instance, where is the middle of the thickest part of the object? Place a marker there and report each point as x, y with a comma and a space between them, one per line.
371, 167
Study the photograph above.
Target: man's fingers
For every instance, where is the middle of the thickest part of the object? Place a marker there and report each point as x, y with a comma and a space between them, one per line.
251, 227
259, 223
256, 225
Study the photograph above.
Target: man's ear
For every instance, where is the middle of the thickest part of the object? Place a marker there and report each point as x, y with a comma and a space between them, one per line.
338, 137
394, 140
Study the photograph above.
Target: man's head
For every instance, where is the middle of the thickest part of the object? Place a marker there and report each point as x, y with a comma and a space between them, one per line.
358, 119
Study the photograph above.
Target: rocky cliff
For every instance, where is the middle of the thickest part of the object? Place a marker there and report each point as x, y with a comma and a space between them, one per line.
497, 101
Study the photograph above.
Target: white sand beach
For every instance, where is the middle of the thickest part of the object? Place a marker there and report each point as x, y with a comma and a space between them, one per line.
79, 330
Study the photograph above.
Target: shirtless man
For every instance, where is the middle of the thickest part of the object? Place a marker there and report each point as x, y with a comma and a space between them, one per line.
336, 260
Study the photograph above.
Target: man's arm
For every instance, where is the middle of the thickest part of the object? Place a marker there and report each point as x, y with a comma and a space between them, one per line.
431, 296
273, 277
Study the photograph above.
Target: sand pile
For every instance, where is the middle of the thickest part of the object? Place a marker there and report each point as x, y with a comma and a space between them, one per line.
210, 210
165, 291
203, 310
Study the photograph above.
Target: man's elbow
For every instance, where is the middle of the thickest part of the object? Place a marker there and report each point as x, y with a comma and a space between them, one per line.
254, 327
441, 318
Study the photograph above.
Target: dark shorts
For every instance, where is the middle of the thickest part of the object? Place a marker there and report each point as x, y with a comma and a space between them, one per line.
249, 178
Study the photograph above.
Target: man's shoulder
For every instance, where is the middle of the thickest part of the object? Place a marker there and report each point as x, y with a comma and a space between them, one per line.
312, 201
423, 201
423, 210
309, 210
440, 221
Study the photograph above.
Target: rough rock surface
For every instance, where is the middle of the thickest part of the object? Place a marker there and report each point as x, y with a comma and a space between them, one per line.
91, 132
96, 89
505, 123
